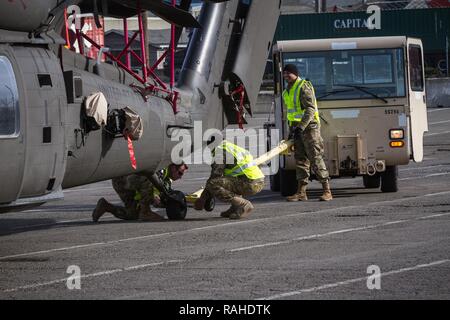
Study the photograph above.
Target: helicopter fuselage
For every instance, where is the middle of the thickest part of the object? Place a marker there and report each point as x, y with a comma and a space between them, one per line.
47, 147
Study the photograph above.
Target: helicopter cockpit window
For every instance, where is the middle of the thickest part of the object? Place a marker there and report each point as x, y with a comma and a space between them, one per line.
9, 99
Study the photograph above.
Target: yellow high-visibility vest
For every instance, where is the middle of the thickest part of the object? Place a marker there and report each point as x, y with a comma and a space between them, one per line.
245, 164
292, 101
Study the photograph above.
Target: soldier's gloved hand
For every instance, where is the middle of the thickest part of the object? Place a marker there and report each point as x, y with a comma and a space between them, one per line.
298, 132
295, 132
291, 134
157, 201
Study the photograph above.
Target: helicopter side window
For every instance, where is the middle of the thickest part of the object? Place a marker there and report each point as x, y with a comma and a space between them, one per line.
9, 99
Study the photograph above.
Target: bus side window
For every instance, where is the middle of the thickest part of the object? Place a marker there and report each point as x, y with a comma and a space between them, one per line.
415, 68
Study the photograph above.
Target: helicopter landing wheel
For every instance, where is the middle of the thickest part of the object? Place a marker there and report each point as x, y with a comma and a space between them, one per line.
210, 204
176, 208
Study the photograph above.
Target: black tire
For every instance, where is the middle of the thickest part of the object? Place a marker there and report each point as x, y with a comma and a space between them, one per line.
372, 182
288, 182
275, 182
176, 208
389, 179
210, 204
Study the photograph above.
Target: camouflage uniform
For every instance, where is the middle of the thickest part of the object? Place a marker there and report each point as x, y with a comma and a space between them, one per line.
309, 147
128, 188
225, 188
137, 193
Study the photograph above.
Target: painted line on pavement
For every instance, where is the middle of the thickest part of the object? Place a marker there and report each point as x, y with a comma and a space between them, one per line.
438, 109
331, 233
427, 176
92, 275
435, 134
424, 168
57, 223
149, 265
439, 122
209, 227
350, 281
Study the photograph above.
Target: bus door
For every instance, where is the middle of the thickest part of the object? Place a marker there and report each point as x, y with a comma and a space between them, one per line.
417, 99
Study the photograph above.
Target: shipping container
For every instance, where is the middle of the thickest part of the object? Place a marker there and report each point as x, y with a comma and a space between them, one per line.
430, 25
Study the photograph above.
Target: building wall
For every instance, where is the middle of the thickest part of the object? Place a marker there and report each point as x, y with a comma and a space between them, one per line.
438, 92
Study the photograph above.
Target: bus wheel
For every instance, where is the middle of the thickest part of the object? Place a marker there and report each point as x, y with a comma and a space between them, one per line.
288, 182
275, 182
372, 182
389, 179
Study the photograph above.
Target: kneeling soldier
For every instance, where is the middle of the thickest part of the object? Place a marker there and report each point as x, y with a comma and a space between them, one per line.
137, 194
230, 182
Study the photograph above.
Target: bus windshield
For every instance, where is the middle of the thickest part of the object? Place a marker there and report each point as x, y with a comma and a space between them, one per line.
352, 74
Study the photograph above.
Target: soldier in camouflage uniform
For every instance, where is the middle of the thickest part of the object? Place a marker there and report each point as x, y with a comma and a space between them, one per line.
231, 180
304, 123
137, 194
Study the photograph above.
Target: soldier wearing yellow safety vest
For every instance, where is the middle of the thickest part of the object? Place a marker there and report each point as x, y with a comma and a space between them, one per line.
233, 175
304, 124
137, 194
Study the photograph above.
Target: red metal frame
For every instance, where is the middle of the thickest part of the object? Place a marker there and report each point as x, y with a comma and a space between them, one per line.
68, 45
172, 52
80, 41
127, 42
240, 90
147, 71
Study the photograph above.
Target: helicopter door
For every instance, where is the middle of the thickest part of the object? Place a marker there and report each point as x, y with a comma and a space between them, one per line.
12, 147
417, 104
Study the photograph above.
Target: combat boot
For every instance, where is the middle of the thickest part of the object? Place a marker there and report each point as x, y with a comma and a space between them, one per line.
243, 208
226, 213
326, 196
102, 207
149, 215
300, 195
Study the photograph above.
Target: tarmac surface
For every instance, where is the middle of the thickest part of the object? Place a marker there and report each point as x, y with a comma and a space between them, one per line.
310, 250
